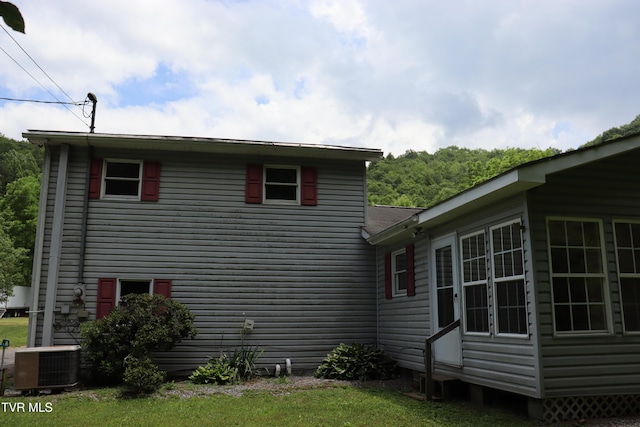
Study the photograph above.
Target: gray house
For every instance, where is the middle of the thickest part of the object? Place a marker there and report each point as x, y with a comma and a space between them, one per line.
264, 231
535, 274
541, 267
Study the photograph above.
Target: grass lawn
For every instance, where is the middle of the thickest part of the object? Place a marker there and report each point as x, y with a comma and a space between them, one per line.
14, 329
182, 405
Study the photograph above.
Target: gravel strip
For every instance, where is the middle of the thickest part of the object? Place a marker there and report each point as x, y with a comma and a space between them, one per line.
277, 386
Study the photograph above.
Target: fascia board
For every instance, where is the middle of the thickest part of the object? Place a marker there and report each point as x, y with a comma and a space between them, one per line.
203, 145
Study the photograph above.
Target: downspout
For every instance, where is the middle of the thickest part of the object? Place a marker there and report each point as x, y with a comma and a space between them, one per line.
36, 272
80, 290
56, 246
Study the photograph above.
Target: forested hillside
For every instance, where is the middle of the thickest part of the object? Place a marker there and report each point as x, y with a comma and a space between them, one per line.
20, 166
616, 132
422, 179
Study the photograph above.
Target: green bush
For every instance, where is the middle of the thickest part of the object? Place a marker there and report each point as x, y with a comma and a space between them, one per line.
140, 324
216, 371
142, 375
357, 362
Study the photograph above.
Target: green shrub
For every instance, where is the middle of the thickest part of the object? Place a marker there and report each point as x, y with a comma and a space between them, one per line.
357, 362
223, 370
140, 324
142, 376
216, 371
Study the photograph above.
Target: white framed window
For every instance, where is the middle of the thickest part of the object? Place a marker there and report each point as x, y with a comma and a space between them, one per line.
627, 242
122, 179
399, 272
133, 286
474, 282
579, 289
282, 184
510, 299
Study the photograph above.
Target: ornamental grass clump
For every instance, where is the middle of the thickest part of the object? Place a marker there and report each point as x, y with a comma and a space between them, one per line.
357, 362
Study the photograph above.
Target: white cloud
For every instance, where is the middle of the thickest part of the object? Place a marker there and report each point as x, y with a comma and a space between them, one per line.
396, 76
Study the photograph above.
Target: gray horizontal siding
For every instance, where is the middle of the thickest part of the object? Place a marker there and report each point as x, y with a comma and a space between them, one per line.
403, 322
302, 273
596, 364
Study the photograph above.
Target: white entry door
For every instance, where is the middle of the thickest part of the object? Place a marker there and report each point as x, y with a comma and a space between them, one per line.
446, 299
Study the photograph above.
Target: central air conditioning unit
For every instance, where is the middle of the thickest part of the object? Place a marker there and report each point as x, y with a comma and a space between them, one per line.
46, 367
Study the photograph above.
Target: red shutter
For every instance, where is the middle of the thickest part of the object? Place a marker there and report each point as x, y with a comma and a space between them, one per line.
95, 178
106, 297
253, 191
388, 282
162, 287
411, 276
150, 181
309, 188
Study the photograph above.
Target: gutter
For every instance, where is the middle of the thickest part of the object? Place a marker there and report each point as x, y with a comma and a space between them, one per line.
36, 272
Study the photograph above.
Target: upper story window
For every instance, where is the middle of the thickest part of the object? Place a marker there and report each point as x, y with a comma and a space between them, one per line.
122, 179
578, 279
281, 183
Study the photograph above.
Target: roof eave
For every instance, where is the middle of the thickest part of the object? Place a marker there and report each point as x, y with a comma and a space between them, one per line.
202, 145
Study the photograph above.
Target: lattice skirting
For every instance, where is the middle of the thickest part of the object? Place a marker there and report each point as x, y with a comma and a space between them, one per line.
574, 408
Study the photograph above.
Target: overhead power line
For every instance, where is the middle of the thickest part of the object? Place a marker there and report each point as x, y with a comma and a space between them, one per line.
43, 102
58, 101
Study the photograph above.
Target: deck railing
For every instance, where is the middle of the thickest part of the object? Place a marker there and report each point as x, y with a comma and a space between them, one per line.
428, 359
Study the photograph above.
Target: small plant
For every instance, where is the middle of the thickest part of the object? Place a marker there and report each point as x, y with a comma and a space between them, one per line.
141, 375
357, 362
216, 371
244, 360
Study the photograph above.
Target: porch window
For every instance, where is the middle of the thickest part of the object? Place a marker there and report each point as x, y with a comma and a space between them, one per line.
577, 275
474, 282
627, 240
445, 285
508, 278
399, 268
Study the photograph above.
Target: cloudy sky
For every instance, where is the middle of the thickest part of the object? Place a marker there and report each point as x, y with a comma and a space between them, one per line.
394, 75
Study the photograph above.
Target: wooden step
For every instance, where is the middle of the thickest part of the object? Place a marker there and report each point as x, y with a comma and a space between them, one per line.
442, 390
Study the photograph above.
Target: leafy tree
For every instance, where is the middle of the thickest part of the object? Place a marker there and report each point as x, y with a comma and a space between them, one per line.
19, 210
17, 160
12, 16
11, 263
